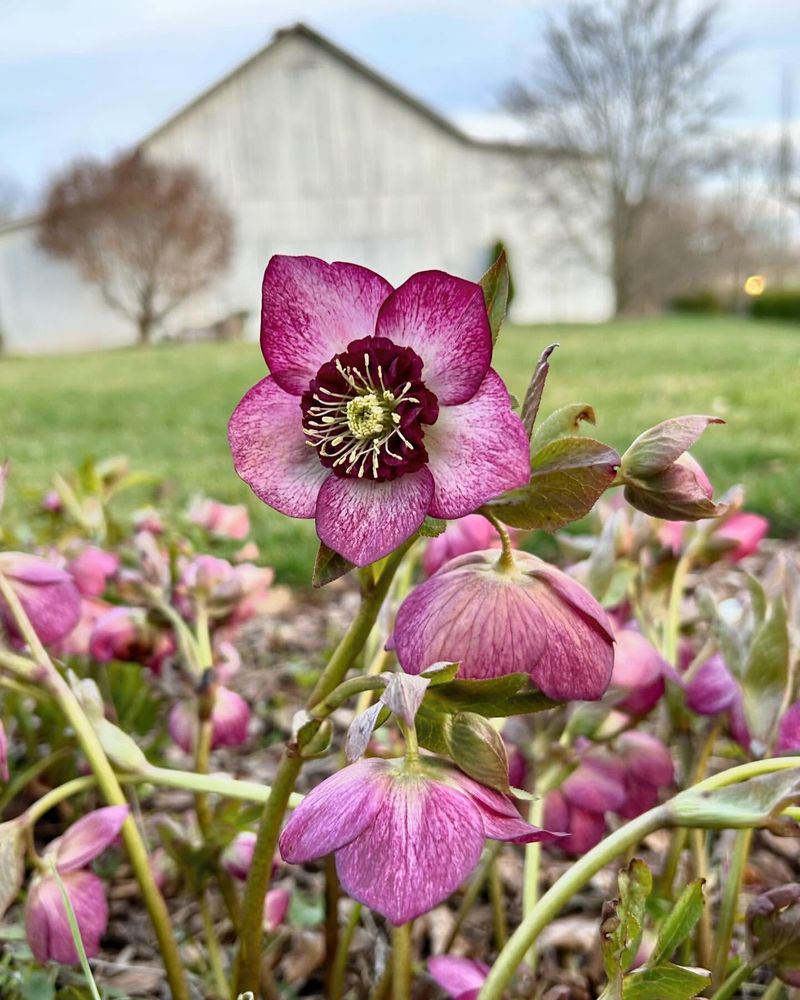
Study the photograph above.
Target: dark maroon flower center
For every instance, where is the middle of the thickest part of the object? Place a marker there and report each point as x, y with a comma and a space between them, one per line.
365, 410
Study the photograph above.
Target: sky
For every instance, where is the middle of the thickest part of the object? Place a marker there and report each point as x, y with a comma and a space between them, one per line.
94, 76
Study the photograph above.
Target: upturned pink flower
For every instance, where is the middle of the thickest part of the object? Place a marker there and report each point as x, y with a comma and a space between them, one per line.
91, 570
3, 752
460, 978
744, 532
213, 581
496, 620
381, 407
230, 719
221, 519
639, 670
47, 593
468, 534
403, 839
46, 924
789, 729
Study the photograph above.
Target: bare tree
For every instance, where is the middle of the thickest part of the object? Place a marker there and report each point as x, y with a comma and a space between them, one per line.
147, 234
626, 88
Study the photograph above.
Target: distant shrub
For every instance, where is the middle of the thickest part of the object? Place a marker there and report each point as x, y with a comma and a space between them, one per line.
699, 301
783, 303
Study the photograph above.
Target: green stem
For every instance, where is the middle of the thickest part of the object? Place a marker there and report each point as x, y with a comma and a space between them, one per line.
339, 967
774, 991
401, 962
673, 623
698, 839
730, 901
507, 555
497, 898
345, 691
111, 791
75, 931
734, 981
530, 878
258, 878
212, 944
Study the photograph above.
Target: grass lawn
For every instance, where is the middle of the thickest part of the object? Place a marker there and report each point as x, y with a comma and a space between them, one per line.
167, 408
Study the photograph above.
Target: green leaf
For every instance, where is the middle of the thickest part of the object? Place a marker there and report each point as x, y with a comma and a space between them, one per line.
12, 862
679, 923
766, 673
441, 673
478, 749
658, 447
431, 527
623, 922
757, 802
433, 728
38, 986
533, 394
563, 422
665, 982
495, 293
497, 698
328, 566
568, 476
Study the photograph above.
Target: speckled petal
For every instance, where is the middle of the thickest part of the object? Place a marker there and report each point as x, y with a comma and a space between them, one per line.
46, 925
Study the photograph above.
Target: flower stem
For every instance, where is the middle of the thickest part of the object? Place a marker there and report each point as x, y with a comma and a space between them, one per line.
111, 790
339, 967
401, 962
507, 555
212, 944
698, 840
730, 900
672, 625
734, 981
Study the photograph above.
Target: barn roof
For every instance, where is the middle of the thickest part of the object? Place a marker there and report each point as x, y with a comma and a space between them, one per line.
303, 31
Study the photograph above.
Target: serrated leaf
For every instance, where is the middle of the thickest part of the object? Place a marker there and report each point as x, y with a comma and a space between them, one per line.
568, 476
432, 527
564, 422
495, 284
766, 673
497, 698
679, 923
12, 862
657, 448
757, 802
329, 566
533, 394
478, 750
623, 921
665, 982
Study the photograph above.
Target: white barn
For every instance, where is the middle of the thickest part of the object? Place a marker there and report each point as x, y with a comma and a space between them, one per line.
316, 153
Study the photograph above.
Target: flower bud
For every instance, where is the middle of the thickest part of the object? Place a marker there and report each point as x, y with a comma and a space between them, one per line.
220, 519
276, 906
773, 923
468, 534
230, 718
48, 596
46, 924
496, 620
238, 855
92, 569
639, 669
742, 533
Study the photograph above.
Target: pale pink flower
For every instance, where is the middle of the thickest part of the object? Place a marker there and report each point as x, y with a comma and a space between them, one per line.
47, 593
220, 519
468, 534
92, 568
230, 719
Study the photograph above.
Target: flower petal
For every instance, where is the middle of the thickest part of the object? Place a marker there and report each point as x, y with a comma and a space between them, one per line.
443, 319
335, 812
88, 837
477, 451
457, 975
311, 310
500, 815
270, 452
364, 520
47, 593
425, 840
46, 924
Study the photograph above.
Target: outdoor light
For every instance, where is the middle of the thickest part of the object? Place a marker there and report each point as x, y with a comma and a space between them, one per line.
755, 284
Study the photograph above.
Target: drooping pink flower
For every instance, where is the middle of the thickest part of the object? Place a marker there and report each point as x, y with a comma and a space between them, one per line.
584, 828
672, 533
468, 534
381, 407
125, 634
648, 768
92, 568
47, 593
495, 620
744, 533
460, 978
3, 752
46, 924
220, 519
789, 729
403, 839
639, 670
230, 718
238, 855
713, 690
255, 584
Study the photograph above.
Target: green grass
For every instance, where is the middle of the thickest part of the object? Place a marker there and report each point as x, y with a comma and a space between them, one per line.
167, 408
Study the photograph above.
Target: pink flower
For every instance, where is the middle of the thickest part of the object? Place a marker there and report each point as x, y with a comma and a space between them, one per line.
238, 855
381, 407
531, 618
46, 924
51, 502
125, 634
148, 519
648, 768
276, 906
639, 670
3, 753
468, 534
213, 581
584, 828
460, 978
403, 839
713, 690
220, 519
744, 532
92, 569
77, 642
788, 730
230, 719
48, 596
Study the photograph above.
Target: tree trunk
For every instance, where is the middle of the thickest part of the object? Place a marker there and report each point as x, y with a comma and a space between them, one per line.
145, 325
623, 264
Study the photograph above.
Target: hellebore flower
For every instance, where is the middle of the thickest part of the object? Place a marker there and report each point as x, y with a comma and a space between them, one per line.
92, 569
47, 594
46, 924
640, 670
496, 620
381, 407
789, 729
584, 828
125, 634
213, 581
744, 532
403, 839
713, 690
230, 718
236, 860
77, 642
773, 920
220, 519
460, 978
648, 767
468, 534
3, 753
